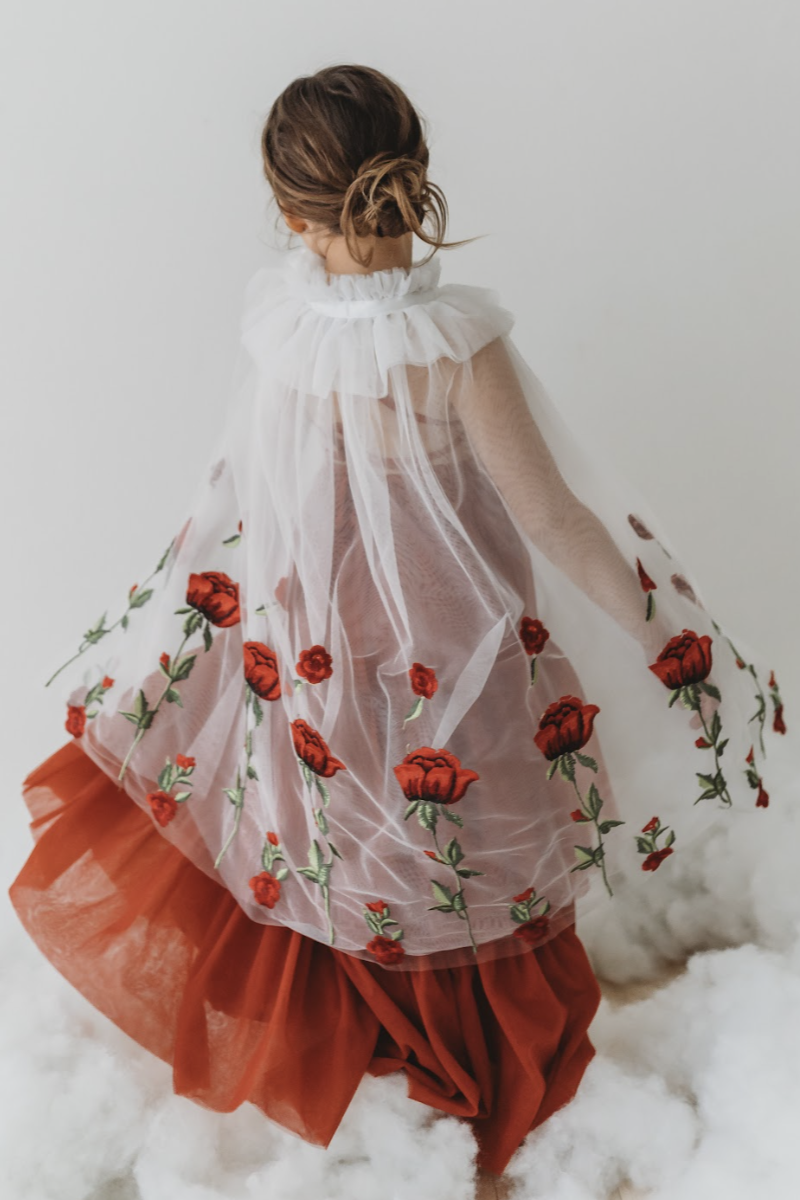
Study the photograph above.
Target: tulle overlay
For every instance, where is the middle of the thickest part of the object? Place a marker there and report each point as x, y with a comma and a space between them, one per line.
419, 675
248, 1011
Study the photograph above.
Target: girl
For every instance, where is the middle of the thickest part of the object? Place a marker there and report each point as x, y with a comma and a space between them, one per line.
417, 674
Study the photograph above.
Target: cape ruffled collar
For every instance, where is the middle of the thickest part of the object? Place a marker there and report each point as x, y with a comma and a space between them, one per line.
351, 295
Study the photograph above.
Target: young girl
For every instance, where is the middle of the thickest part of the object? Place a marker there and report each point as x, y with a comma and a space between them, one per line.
417, 674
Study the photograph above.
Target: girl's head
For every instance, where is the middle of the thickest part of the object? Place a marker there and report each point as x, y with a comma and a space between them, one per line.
345, 155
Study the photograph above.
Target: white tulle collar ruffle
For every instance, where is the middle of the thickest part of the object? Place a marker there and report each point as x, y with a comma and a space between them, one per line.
319, 333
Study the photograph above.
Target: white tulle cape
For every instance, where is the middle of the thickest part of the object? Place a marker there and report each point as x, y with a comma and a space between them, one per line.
419, 673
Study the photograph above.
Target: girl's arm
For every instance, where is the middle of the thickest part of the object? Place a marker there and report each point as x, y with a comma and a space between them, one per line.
493, 408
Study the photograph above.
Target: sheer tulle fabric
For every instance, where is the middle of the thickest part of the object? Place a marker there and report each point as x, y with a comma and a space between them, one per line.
246, 1011
405, 635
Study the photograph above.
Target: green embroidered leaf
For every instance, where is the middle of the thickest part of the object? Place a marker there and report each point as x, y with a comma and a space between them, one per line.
322, 788
412, 808
440, 908
566, 766
466, 872
315, 855
585, 854
324, 874
396, 935
309, 872
321, 820
519, 913
297, 684
251, 771
173, 696
593, 801
232, 541
181, 796
260, 611
165, 555
710, 689
670, 838
140, 598
147, 720
130, 717
258, 710
722, 746
453, 817
453, 853
281, 874
165, 778
651, 606
459, 903
333, 850
533, 670
644, 845
604, 826
427, 815
183, 669
415, 710
307, 772
552, 768
207, 637
708, 780
716, 726
674, 697
124, 621
140, 704
442, 893
586, 760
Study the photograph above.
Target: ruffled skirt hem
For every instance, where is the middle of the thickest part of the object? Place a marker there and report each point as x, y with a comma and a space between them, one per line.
247, 1011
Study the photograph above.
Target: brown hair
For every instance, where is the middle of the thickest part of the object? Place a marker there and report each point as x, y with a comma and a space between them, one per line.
346, 148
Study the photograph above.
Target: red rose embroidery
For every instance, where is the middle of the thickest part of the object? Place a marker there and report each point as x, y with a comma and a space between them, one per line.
184, 761
655, 858
565, 725
647, 583
216, 596
533, 635
163, 805
433, 775
423, 680
778, 723
386, 950
377, 906
261, 670
523, 896
651, 824
314, 664
312, 749
76, 719
762, 799
108, 682
532, 931
272, 838
750, 756
266, 889
240, 527
685, 659
164, 660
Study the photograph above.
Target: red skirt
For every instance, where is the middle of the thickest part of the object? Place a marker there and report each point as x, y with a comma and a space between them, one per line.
247, 1011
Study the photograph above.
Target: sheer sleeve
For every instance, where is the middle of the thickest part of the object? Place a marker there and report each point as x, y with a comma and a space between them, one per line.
498, 418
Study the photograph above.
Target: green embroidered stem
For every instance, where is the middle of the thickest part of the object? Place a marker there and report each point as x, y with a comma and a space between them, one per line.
712, 737
600, 853
462, 912
147, 716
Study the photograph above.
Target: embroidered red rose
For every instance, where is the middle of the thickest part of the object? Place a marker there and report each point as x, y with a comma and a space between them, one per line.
433, 775
533, 635
272, 838
386, 950
762, 799
164, 659
377, 906
683, 586
651, 824
740, 663
778, 723
240, 527
685, 659
312, 749
163, 805
76, 719
431, 854
655, 858
261, 670
314, 664
523, 896
565, 725
644, 579
750, 756
532, 931
184, 761
423, 680
266, 889
108, 682
577, 815
216, 596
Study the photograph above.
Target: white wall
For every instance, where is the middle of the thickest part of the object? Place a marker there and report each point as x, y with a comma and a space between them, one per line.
634, 164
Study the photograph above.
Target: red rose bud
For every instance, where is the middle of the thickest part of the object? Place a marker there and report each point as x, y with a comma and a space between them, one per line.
645, 580
164, 660
163, 805
651, 824
749, 758
76, 719
386, 950
577, 815
762, 799
423, 680
701, 743
184, 762
778, 723
532, 931
266, 889
272, 838
523, 896
533, 635
655, 858
739, 663
377, 906
108, 682
772, 679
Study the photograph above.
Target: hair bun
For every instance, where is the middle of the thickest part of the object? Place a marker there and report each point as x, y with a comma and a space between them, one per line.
378, 199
